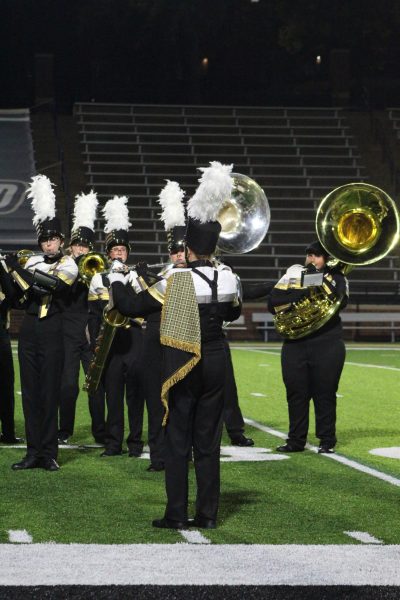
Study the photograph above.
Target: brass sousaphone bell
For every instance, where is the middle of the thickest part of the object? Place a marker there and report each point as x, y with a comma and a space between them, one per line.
244, 217
357, 224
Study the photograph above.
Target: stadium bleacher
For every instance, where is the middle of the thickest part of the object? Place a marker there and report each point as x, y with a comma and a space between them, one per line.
297, 155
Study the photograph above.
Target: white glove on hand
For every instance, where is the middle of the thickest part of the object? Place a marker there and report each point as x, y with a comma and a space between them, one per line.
117, 277
117, 266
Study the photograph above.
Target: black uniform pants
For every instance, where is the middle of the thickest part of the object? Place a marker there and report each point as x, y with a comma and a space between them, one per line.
152, 357
196, 408
77, 351
41, 355
123, 374
6, 387
311, 368
232, 414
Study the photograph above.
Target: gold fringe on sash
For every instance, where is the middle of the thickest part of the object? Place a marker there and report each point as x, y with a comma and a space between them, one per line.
180, 328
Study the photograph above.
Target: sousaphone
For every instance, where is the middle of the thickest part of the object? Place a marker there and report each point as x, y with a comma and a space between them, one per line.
357, 224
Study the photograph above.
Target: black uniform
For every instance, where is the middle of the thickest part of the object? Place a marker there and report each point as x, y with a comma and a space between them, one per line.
152, 357
196, 402
122, 373
77, 351
41, 349
6, 375
311, 367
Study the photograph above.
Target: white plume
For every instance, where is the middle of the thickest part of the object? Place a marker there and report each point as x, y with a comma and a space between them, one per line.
215, 188
171, 201
116, 214
43, 198
85, 210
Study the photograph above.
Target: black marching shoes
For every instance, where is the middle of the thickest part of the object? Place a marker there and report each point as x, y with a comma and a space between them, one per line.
323, 449
289, 448
49, 464
153, 467
29, 462
10, 439
111, 453
203, 523
241, 440
165, 523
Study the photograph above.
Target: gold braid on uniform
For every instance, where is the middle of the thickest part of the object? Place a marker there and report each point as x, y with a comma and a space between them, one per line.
180, 328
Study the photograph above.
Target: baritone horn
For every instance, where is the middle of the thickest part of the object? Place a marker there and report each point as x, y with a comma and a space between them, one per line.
357, 224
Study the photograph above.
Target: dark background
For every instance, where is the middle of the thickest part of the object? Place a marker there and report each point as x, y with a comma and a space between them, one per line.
150, 51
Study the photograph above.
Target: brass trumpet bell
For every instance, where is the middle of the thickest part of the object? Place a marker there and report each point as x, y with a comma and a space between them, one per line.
358, 223
90, 264
244, 217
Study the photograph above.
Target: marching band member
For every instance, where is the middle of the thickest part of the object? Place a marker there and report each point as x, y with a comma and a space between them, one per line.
46, 279
123, 369
173, 217
7, 400
312, 365
75, 321
194, 301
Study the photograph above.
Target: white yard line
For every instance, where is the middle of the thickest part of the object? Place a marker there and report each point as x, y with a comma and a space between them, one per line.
389, 348
19, 536
198, 564
363, 536
354, 364
337, 457
194, 536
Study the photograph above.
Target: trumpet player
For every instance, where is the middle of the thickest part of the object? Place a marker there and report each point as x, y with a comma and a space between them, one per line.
43, 283
311, 365
123, 370
75, 324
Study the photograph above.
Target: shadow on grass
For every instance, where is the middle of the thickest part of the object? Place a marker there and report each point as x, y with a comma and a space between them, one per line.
231, 502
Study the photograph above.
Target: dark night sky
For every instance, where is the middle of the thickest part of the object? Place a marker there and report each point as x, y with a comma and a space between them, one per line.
151, 50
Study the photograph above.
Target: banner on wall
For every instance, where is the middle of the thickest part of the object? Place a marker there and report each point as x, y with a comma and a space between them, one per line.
17, 166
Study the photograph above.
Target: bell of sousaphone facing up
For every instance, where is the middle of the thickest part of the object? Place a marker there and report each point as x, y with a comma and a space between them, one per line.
244, 218
358, 224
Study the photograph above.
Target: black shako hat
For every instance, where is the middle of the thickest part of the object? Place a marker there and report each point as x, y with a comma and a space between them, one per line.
118, 237
202, 238
49, 228
176, 238
317, 248
84, 219
83, 235
45, 221
205, 205
117, 223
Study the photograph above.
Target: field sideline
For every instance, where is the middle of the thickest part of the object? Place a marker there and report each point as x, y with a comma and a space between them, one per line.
272, 506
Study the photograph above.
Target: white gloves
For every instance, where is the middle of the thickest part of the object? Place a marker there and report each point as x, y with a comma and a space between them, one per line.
117, 277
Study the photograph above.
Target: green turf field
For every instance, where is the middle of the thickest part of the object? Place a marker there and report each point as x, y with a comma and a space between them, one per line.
303, 499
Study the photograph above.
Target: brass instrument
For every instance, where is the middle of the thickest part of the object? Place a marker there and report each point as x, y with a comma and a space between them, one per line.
22, 255
90, 264
357, 224
245, 217
112, 319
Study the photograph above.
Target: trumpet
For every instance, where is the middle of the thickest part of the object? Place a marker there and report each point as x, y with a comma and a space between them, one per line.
90, 264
